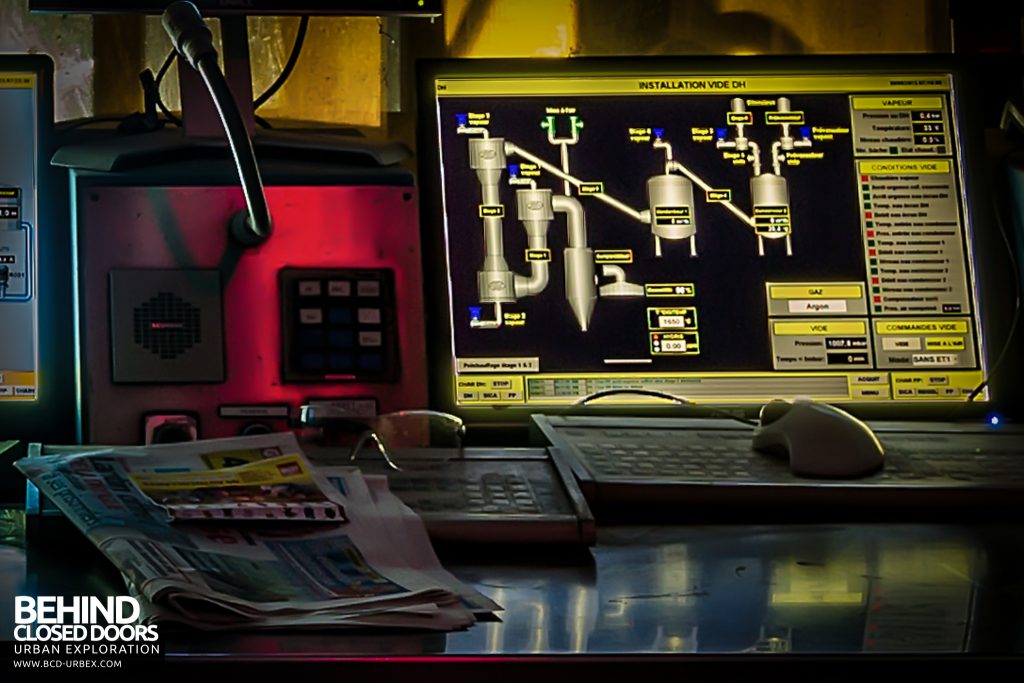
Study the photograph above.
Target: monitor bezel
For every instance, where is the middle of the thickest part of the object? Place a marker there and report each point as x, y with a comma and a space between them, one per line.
52, 415
994, 300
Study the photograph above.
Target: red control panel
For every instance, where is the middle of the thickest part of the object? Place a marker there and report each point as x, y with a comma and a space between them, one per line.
184, 333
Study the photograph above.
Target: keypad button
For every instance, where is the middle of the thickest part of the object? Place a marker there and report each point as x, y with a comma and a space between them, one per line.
309, 288
371, 361
339, 288
341, 361
369, 316
369, 339
312, 361
341, 339
312, 338
311, 316
339, 316
368, 288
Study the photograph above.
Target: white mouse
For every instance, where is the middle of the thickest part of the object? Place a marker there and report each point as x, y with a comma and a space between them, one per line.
821, 440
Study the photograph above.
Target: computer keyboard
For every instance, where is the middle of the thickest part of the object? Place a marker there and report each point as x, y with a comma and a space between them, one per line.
509, 495
711, 461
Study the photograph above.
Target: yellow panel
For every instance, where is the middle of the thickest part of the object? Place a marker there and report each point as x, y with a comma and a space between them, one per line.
897, 103
900, 167
17, 81
945, 343
818, 328
920, 326
510, 28
837, 25
812, 291
336, 80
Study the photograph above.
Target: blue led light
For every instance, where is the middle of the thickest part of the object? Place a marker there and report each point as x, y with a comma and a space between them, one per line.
513, 169
474, 312
720, 133
461, 119
659, 133
805, 132
995, 420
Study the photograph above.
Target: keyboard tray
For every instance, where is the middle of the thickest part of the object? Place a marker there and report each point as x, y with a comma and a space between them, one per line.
506, 495
680, 460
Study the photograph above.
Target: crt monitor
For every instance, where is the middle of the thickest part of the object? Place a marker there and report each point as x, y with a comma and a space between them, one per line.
36, 391
19, 206
727, 231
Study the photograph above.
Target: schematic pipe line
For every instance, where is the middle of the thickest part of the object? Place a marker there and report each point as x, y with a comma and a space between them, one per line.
494, 239
776, 157
676, 166
474, 130
492, 324
537, 281
511, 148
565, 169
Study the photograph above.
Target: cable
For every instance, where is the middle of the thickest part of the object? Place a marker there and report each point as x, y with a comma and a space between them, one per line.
677, 400
171, 57
193, 41
258, 223
293, 58
81, 123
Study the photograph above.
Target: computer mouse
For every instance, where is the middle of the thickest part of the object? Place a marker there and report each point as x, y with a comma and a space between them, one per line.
822, 441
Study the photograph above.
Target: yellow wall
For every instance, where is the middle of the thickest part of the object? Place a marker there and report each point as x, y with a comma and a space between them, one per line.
510, 28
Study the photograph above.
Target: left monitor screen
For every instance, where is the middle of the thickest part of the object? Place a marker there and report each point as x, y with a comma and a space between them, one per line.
19, 329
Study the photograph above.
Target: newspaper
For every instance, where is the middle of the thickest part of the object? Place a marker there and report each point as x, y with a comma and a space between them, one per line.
281, 487
376, 569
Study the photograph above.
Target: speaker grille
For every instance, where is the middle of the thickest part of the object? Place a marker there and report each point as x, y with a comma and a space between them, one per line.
167, 326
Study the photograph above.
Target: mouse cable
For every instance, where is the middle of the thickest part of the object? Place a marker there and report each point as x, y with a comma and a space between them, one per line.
677, 400
289, 66
1015, 269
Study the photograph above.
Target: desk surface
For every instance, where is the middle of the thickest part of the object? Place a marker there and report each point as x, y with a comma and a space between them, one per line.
836, 589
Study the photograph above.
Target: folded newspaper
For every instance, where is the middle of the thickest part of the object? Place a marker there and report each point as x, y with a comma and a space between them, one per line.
280, 487
377, 568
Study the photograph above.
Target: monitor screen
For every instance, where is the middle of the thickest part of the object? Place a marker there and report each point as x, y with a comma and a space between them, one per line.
19, 350
726, 232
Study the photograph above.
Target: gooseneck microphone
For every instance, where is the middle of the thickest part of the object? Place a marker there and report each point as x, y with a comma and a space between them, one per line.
194, 43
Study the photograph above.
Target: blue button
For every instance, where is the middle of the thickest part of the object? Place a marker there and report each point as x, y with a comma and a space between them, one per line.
312, 361
341, 361
311, 338
371, 361
340, 339
339, 316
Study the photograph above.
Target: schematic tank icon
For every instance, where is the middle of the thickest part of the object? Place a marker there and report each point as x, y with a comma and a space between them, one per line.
670, 198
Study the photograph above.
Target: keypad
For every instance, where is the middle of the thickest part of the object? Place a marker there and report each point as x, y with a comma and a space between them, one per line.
339, 325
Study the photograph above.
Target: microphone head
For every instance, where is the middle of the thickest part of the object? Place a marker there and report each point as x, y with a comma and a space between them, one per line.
188, 32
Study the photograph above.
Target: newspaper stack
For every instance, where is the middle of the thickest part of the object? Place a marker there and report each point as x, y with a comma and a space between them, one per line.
375, 569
